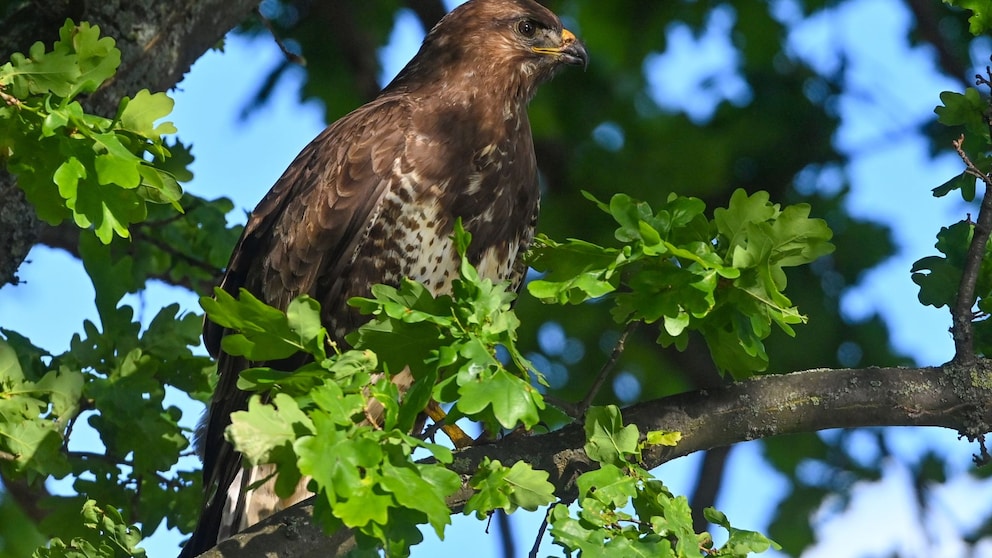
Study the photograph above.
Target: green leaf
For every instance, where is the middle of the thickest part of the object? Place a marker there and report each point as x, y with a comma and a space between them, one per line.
608, 441
11, 373
964, 182
939, 277
414, 492
341, 409
733, 221
365, 505
67, 177
980, 20
740, 542
966, 110
507, 488
609, 484
303, 318
530, 488
120, 171
335, 461
573, 535
257, 432
98, 57
574, 272
62, 388
512, 401
140, 114
263, 331
42, 72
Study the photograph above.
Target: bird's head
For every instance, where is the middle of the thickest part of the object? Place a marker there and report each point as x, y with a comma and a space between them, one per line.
498, 42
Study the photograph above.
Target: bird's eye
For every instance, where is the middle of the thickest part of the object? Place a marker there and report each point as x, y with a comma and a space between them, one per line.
527, 28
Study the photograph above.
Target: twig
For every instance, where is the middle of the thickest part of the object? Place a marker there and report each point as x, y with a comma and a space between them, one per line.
606, 370
983, 458
9, 99
196, 285
4, 456
507, 543
961, 314
431, 431
291, 56
540, 532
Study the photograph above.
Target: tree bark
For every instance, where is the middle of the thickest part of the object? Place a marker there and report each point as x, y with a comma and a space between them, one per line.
159, 41
949, 396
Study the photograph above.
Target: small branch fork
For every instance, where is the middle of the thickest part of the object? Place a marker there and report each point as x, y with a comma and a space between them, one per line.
961, 313
606, 370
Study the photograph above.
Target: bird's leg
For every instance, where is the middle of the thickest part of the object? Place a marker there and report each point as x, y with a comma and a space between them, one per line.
458, 436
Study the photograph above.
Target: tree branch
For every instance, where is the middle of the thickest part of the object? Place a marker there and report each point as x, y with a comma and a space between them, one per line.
961, 313
951, 396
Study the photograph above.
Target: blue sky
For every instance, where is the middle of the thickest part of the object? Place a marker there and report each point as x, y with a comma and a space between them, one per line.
891, 172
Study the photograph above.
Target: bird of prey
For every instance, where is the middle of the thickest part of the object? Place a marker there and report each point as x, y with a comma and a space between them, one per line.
374, 198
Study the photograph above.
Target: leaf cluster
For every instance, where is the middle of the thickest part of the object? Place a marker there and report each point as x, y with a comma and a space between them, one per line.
940, 276
114, 379
966, 111
624, 511
104, 534
100, 172
314, 425
450, 344
97, 412
318, 421
724, 278
341, 421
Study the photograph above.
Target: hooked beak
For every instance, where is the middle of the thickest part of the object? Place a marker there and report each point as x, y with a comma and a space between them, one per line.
570, 52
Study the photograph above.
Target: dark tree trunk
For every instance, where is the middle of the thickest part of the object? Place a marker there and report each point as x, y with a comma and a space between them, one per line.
159, 41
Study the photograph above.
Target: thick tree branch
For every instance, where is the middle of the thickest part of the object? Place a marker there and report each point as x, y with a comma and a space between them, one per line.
951, 396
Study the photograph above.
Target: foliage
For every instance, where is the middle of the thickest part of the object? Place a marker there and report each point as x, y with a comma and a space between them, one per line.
750, 143
980, 20
316, 422
723, 278
104, 534
316, 426
117, 179
497, 487
123, 376
72, 164
939, 277
662, 522
449, 345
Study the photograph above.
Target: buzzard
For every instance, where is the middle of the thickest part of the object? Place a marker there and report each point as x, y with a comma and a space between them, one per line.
374, 199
